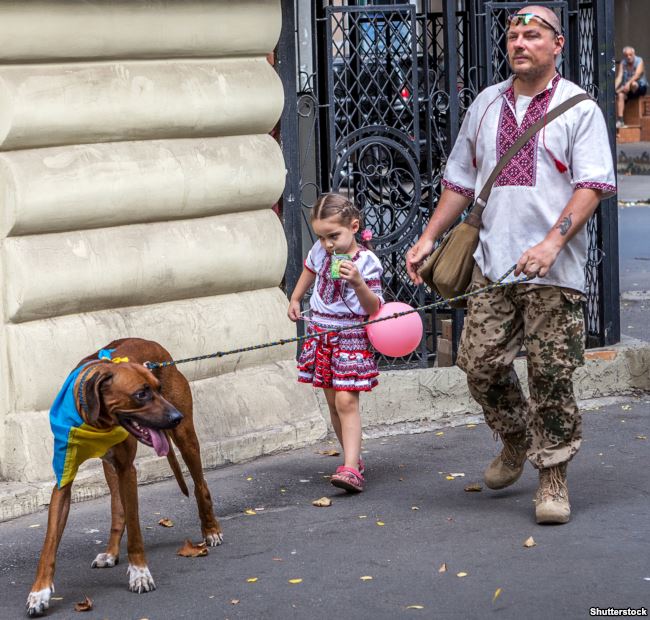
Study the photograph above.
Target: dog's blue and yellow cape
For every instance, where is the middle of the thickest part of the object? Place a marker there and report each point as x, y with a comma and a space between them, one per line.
74, 440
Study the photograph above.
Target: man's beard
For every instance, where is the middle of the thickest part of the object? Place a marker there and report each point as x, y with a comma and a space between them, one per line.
533, 73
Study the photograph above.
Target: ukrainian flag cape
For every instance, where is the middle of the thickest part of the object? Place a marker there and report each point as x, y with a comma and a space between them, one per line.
74, 440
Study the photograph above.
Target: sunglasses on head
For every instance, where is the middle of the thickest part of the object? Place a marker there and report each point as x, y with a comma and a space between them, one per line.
517, 19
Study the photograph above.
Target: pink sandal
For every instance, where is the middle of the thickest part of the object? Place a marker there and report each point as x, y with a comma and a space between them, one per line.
349, 479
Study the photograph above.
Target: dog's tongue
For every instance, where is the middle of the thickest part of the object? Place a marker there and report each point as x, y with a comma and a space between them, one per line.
160, 443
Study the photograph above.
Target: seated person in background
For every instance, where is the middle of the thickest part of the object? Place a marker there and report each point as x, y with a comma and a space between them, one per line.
630, 81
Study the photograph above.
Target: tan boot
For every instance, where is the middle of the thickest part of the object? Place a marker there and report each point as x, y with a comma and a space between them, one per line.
506, 468
552, 498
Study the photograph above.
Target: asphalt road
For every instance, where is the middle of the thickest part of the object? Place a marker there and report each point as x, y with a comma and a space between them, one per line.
409, 522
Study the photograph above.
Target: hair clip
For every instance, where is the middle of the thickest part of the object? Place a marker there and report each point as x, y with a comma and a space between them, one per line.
366, 234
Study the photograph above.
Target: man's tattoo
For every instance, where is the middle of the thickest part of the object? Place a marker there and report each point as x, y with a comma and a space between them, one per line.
564, 225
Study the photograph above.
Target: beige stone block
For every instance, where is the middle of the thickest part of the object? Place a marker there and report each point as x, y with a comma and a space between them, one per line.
111, 184
50, 104
54, 274
42, 353
65, 29
238, 416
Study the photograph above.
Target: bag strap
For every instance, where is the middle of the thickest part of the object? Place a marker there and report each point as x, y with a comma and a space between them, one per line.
474, 216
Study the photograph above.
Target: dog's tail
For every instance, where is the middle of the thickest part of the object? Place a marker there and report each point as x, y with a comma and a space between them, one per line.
176, 468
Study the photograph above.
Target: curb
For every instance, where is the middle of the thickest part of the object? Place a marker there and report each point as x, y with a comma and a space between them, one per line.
411, 401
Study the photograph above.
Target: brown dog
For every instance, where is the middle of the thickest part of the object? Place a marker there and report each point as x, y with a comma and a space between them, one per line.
110, 399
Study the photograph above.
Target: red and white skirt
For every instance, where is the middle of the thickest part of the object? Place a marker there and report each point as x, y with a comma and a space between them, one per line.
342, 361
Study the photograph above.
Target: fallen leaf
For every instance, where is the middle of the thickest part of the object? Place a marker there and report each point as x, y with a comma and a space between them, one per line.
249, 511
323, 502
190, 550
415, 607
497, 594
329, 452
415, 508
530, 542
401, 479
476, 487
56, 598
148, 527
35, 525
85, 605
277, 559
166, 523
461, 574
449, 477
283, 490
249, 478
295, 580
470, 426
366, 578
251, 580
641, 437
457, 475
440, 434
626, 407
234, 601
363, 516
443, 568
380, 523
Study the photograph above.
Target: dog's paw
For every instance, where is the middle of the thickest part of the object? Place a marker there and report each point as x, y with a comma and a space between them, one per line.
140, 579
105, 560
214, 539
38, 602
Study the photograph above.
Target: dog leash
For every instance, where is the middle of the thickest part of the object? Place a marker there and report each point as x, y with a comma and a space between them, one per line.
497, 284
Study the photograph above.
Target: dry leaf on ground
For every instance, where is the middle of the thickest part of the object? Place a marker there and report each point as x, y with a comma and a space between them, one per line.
530, 542
329, 452
323, 502
497, 594
473, 488
366, 578
462, 574
443, 568
251, 580
190, 550
166, 523
415, 607
380, 523
249, 511
295, 580
234, 601
85, 605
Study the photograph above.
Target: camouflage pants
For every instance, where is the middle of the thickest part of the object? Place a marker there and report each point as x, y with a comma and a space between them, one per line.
548, 321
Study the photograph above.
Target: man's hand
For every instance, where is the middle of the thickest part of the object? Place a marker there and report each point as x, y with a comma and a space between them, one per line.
536, 261
416, 256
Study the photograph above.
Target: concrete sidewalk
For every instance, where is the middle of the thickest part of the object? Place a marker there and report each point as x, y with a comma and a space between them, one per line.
376, 555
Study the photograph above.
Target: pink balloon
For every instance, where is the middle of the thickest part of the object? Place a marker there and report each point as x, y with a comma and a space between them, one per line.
395, 337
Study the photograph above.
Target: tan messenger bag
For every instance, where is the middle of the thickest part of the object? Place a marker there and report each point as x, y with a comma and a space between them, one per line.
448, 271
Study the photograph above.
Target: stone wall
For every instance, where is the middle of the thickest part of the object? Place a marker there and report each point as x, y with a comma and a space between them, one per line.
137, 177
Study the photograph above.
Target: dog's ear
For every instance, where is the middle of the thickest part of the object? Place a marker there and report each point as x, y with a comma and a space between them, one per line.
93, 395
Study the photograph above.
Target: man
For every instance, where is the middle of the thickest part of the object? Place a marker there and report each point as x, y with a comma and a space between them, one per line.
535, 218
630, 82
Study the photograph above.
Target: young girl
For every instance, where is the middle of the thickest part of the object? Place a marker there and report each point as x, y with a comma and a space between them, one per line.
346, 291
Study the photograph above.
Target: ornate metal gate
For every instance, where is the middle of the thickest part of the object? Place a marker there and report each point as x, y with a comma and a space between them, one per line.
382, 90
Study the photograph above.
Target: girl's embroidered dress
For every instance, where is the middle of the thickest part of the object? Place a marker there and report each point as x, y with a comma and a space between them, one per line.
342, 361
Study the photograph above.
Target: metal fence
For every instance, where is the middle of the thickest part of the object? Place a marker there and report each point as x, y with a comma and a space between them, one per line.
378, 96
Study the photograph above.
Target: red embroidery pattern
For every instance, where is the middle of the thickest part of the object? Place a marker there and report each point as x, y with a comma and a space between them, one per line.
341, 361
522, 168
603, 187
469, 193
